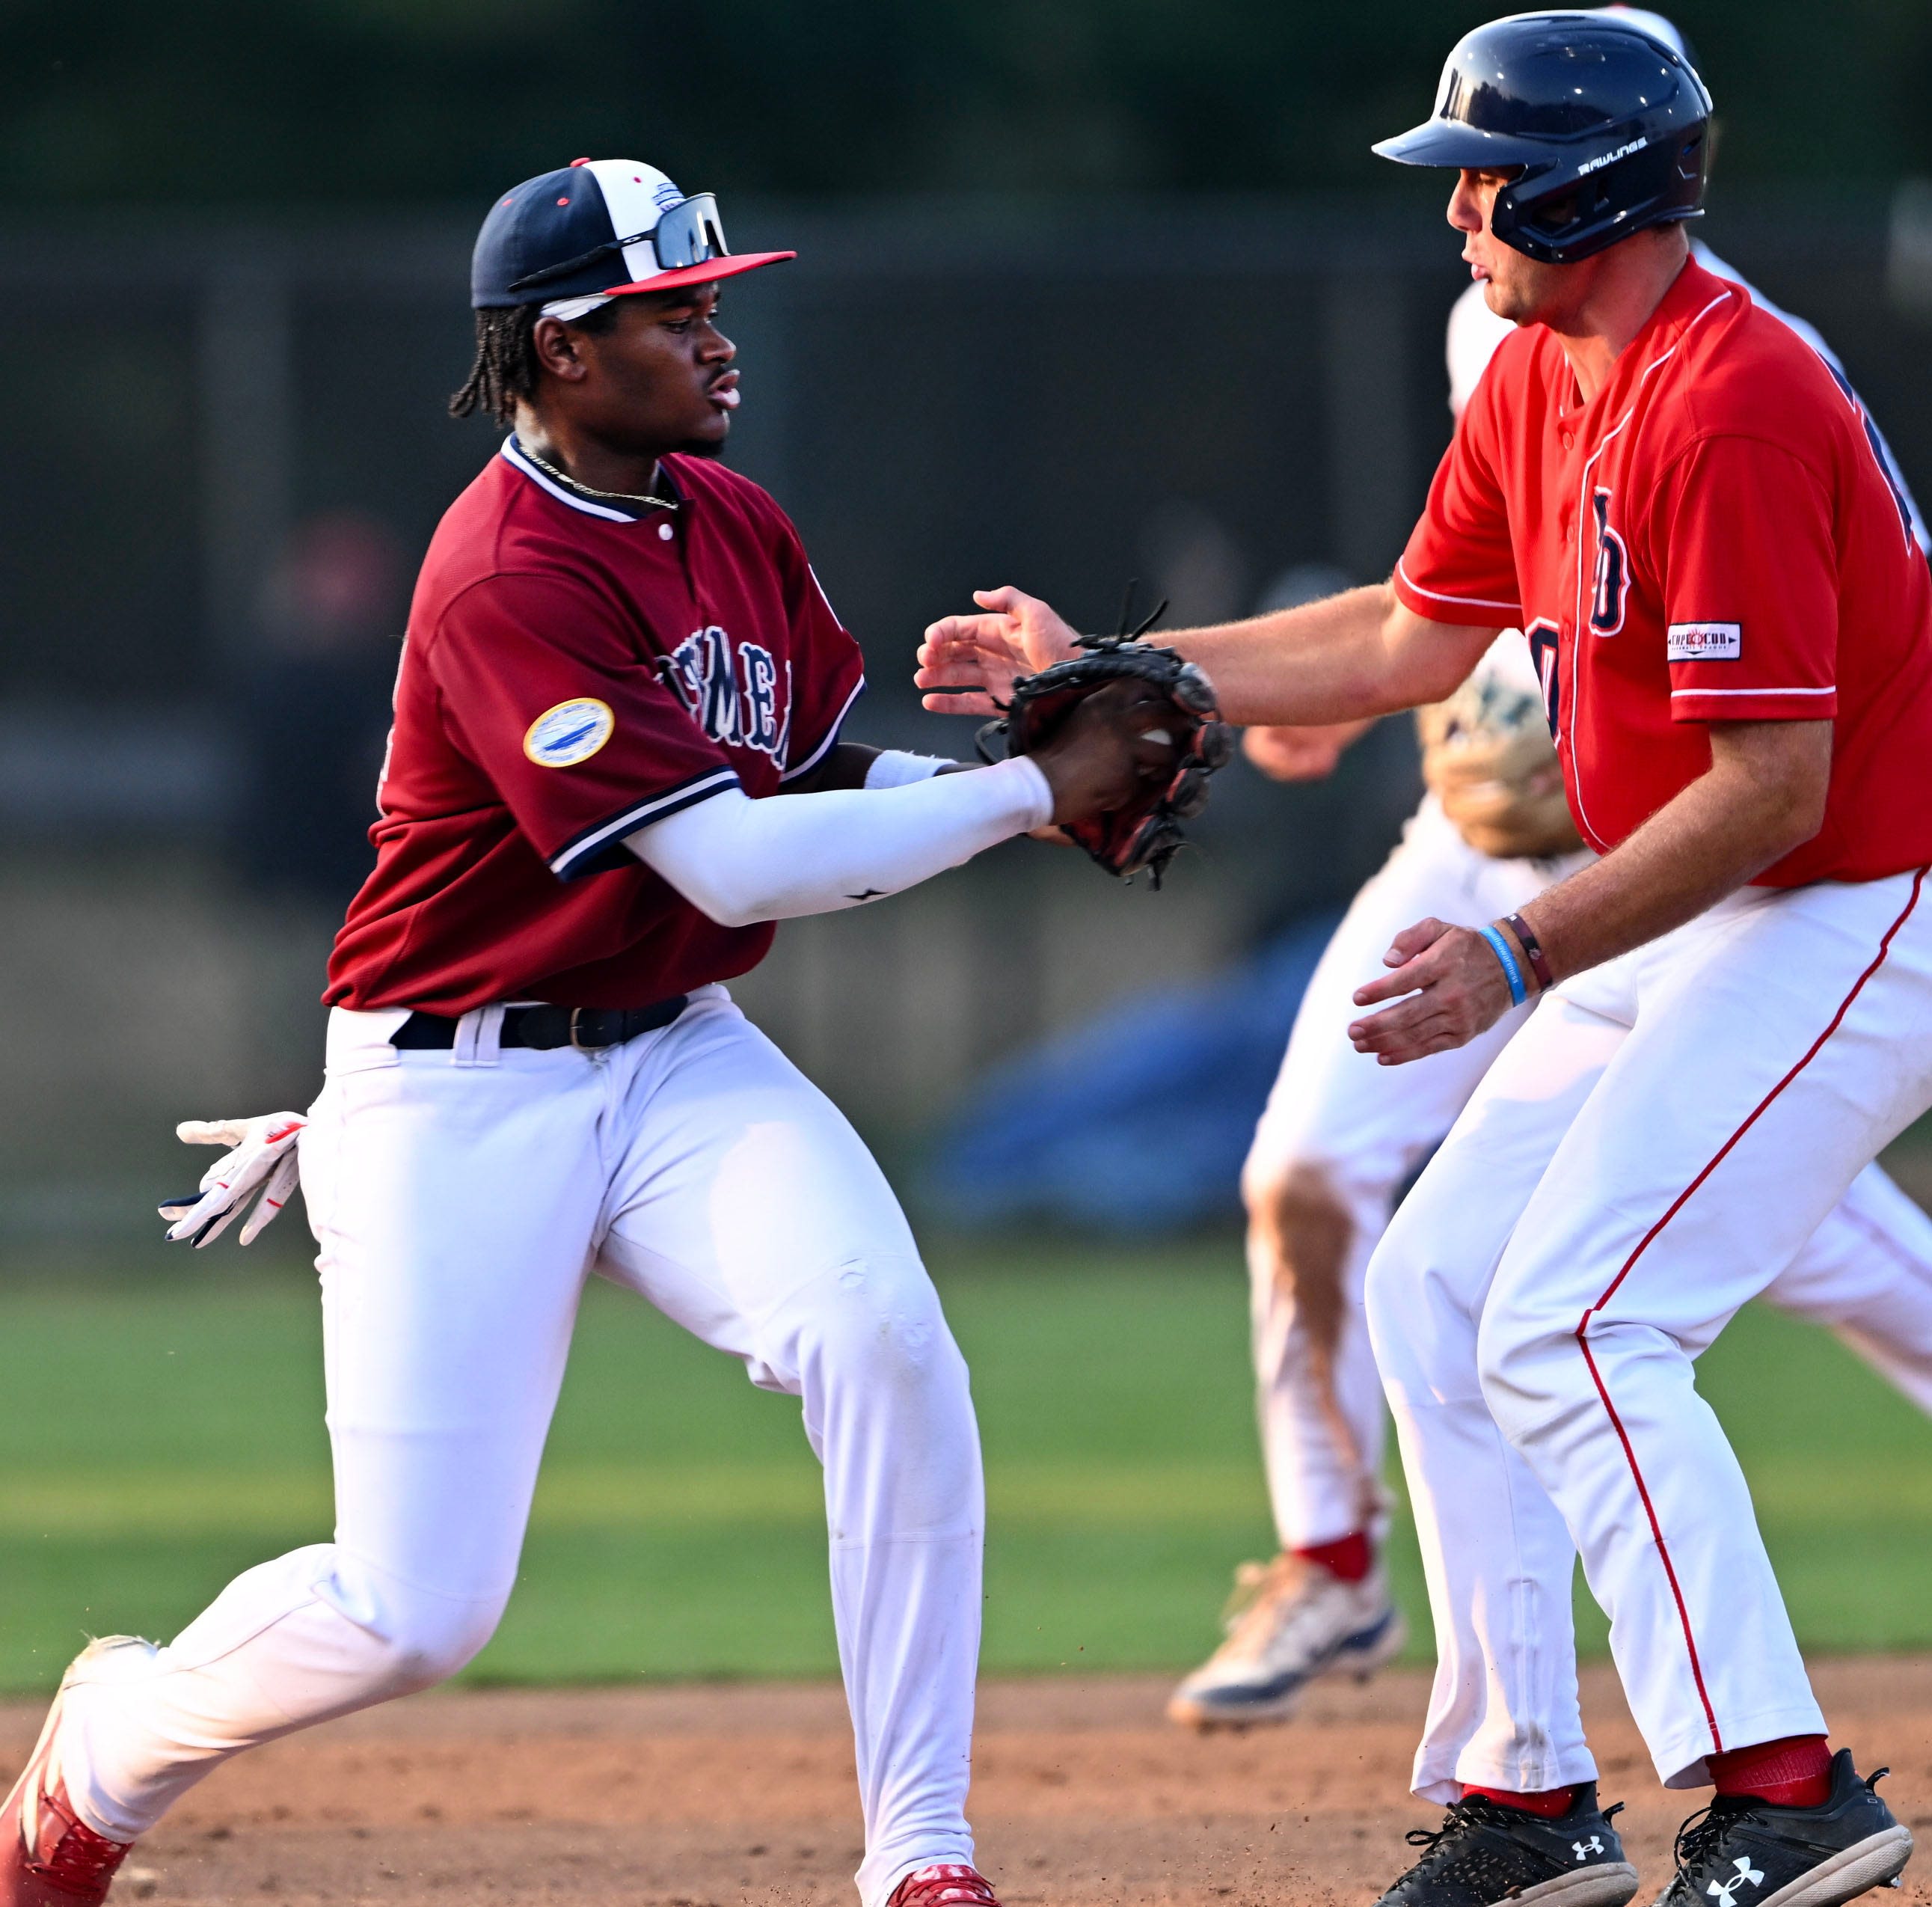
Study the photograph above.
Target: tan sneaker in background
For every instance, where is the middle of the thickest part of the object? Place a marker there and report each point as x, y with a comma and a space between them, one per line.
1289, 1622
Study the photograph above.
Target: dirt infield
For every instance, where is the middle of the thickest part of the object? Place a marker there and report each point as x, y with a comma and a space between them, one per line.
703, 1797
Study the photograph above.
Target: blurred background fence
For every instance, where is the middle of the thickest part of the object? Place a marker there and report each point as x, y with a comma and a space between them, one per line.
231, 450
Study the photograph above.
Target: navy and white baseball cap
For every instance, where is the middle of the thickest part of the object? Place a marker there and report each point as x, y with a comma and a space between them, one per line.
597, 228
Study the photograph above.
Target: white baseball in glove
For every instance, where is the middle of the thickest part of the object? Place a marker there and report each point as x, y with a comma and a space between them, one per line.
263, 1158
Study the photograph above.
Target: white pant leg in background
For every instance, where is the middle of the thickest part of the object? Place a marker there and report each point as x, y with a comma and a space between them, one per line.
1867, 1274
461, 1198
1659, 1142
1364, 1128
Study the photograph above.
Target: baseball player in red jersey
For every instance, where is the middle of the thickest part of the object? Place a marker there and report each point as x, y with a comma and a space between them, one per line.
617, 654
1340, 1136
1686, 511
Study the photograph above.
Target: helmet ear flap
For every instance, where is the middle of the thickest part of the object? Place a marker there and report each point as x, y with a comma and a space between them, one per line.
1520, 218
1560, 222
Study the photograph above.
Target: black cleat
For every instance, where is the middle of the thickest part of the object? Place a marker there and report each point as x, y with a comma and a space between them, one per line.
1744, 1852
1484, 1853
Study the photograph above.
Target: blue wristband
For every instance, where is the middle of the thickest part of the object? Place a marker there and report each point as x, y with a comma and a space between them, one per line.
1513, 973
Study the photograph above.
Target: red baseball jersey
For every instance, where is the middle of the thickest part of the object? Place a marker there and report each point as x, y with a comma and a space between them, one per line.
1714, 537
575, 668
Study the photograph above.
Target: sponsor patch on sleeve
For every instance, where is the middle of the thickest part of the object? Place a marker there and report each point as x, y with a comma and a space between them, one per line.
572, 732
1705, 642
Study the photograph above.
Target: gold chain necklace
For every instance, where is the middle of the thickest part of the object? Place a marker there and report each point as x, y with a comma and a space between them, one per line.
584, 489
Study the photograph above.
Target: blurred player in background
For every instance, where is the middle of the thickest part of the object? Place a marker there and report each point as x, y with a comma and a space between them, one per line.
615, 760
1340, 1136
312, 707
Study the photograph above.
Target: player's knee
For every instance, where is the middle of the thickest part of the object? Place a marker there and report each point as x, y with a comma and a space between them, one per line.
416, 1638
1530, 1367
876, 1325
1395, 1287
435, 1640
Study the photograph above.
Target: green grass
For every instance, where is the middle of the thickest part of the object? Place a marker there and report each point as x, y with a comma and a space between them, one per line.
156, 1437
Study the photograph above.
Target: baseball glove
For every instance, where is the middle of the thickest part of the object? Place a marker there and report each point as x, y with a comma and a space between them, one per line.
1487, 757
1148, 834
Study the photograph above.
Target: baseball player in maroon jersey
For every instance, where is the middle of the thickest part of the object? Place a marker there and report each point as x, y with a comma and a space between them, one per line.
616, 654
1687, 512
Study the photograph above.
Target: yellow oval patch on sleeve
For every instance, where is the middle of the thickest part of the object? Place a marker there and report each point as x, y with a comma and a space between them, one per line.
572, 732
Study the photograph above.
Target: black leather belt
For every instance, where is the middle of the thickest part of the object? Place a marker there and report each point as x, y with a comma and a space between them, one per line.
543, 1028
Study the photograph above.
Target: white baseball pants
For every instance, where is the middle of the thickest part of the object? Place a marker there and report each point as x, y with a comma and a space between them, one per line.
461, 1198
1653, 1148
1867, 1272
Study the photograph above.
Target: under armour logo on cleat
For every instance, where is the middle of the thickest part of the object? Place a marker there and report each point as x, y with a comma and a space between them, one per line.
1585, 1848
1721, 1890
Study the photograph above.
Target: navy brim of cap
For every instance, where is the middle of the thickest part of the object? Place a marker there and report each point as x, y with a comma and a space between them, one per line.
713, 269
1449, 142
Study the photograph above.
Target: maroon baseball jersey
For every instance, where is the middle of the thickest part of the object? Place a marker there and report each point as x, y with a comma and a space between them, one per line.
1713, 537
574, 669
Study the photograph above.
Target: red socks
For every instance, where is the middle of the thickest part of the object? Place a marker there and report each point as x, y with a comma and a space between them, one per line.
1794, 1772
1549, 1803
1349, 1557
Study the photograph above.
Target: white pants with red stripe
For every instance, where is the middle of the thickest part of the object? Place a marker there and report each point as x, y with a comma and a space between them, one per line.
461, 1199
1652, 1150
1361, 1128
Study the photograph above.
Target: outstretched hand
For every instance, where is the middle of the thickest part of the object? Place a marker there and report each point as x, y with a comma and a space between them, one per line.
967, 664
1300, 755
1450, 986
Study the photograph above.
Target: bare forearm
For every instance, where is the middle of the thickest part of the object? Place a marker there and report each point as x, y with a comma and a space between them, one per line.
1722, 831
844, 766
1349, 658
1352, 658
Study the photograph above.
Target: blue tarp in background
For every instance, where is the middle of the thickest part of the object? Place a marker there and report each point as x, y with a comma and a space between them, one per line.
1137, 1122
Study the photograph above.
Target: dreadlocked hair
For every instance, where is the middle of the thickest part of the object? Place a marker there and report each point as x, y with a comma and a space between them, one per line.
505, 365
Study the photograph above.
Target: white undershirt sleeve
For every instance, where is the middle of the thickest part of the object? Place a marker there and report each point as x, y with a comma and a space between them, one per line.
741, 861
893, 768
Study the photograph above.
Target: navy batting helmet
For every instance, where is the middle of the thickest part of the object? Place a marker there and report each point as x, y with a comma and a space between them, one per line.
1605, 127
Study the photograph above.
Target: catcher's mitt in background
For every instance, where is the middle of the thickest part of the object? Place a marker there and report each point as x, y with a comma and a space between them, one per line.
1148, 834
1487, 757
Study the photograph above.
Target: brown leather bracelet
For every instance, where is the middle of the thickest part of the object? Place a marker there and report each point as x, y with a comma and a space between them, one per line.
1532, 950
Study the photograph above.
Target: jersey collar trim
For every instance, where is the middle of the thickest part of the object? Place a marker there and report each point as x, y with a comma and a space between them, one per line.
518, 459
1694, 294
